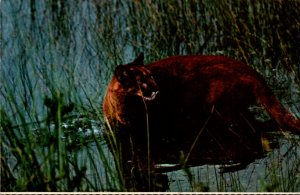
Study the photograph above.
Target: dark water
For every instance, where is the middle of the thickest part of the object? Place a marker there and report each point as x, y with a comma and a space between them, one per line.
268, 164
42, 52
258, 175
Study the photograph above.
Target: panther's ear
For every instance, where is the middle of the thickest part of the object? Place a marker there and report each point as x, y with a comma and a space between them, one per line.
121, 73
139, 60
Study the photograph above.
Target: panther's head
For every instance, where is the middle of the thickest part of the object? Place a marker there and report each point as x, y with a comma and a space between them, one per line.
135, 79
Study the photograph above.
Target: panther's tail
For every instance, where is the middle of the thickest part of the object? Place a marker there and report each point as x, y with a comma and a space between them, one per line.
275, 109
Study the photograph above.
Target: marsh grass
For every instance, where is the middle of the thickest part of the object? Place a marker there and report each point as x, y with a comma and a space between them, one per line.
58, 56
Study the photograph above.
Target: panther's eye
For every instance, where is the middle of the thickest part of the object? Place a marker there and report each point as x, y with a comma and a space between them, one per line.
143, 80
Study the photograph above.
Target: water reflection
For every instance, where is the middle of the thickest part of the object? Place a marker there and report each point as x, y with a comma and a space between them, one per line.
263, 174
230, 157
231, 149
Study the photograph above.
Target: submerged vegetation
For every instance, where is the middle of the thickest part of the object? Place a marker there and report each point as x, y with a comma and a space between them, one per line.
57, 57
